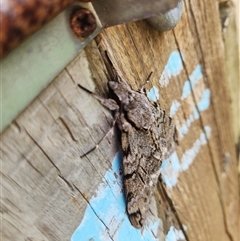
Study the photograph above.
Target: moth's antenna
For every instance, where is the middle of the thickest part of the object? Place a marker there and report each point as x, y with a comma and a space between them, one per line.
141, 90
149, 76
88, 91
108, 103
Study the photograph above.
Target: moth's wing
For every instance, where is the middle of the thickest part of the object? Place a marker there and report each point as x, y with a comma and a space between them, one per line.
138, 195
140, 175
164, 133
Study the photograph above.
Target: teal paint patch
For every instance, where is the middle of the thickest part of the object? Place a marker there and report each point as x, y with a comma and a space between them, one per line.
108, 209
192, 81
173, 68
153, 94
172, 167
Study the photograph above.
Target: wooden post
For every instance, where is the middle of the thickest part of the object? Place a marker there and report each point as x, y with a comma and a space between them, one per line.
50, 193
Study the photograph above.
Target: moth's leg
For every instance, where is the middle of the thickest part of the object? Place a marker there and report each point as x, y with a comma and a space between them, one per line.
123, 124
108, 103
142, 89
111, 105
110, 131
97, 145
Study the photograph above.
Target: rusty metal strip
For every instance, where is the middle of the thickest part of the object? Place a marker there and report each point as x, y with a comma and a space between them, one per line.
21, 18
29, 68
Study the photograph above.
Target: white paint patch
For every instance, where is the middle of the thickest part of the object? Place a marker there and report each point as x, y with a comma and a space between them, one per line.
172, 167
202, 105
189, 155
192, 81
184, 227
174, 108
175, 234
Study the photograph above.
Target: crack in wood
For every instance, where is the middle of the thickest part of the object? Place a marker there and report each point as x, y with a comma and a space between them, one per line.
66, 69
174, 211
69, 184
48, 158
68, 129
107, 228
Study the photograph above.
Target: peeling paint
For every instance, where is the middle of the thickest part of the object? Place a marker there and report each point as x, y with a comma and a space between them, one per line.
173, 68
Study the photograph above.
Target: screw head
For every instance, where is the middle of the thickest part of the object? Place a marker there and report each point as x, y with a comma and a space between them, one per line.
82, 22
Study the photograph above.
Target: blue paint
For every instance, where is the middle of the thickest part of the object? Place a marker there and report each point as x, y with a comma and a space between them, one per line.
192, 81
170, 170
196, 114
153, 94
183, 130
174, 108
207, 130
172, 167
203, 105
173, 68
174, 234
205, 101
127, 232
108, 205
107, 209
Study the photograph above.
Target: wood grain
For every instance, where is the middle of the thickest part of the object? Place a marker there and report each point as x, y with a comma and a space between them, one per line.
47, 187
44, 192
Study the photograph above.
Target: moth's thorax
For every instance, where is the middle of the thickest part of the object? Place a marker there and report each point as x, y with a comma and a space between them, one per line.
135, 105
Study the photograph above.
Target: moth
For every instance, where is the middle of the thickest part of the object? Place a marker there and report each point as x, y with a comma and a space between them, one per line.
148, 136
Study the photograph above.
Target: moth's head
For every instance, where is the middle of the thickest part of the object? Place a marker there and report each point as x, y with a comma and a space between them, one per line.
121, 90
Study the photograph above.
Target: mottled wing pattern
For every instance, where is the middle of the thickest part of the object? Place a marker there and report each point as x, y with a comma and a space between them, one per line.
148, 136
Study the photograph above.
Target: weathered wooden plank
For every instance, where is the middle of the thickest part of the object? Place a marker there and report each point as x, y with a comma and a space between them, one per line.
202, 54
50, 193
41, 159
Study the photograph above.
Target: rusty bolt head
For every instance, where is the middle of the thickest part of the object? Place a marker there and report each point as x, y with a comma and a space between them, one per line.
82, 22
